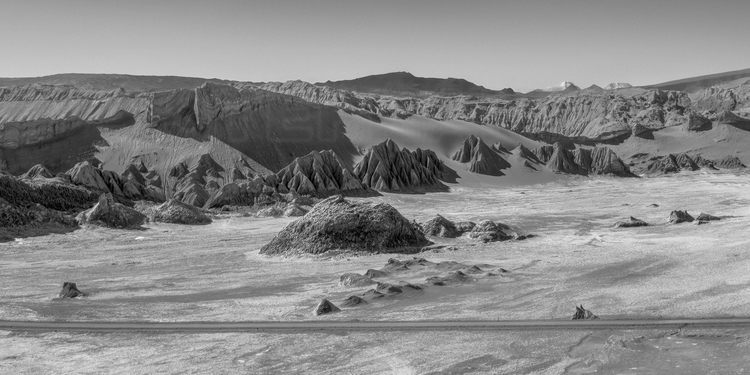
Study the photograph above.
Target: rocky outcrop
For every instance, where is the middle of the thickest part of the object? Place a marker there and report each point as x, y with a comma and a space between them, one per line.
697, 122
490, 231
386, 168
671, 164
70, 290
563, 161
37, 171
480, 158
337, 224
583, 314
631, 223
604, 161
176, 212
440, 227
319, 174
729, 162
705, 218
18, 221
325, 307
355, 279
433, 164
677, 217
111, 214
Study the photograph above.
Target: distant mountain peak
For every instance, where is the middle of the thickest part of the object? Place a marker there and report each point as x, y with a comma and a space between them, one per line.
406, 84
618, 85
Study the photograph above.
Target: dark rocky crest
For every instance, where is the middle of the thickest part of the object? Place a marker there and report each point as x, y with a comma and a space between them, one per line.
70, 290
480, 158
318, 174
583, 314
677, 217
325, 307
386, 168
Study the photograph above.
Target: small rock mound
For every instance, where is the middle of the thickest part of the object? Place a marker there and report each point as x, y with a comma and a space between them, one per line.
631, 223
70, 290
176, 212
325, 307
481, 158
337, 224
355, 279
677, 217
489, 231
705, 218
386, 168
441, 227
352, 301
583, 314
111, 214
455, 277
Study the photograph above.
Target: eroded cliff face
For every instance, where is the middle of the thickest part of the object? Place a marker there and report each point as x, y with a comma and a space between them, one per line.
584, 116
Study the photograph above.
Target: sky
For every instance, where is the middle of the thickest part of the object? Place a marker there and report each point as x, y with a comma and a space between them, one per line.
524, 44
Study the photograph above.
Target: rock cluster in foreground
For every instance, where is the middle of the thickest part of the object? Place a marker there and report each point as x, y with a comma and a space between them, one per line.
338, 224
111, 214
485, 231
176, 212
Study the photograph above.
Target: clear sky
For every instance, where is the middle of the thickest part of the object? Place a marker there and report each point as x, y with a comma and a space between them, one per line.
522, 44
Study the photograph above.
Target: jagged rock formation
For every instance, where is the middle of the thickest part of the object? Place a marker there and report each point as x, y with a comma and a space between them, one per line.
245, 193
325, 307
674, 163
677, 217
430, 160
111, 214
337, 224
176, 212
480, 157
37, 171
583, 314
604, 161
563, 161
631, 223
386, 168
70, 290
318, 174
729, 162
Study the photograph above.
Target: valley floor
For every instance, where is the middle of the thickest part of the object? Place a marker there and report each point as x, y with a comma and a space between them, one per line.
214, 272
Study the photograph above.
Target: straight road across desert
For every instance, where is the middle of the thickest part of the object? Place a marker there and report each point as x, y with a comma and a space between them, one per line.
323, 326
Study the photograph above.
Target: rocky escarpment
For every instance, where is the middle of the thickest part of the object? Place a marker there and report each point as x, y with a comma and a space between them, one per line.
269, 128
584, 117
387, 168
480, 158
319, 174
337, 224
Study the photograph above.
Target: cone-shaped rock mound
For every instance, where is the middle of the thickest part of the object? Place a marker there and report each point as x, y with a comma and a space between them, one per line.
176, 212
386, 168
480, 157
337, 224
318, 173
583, 314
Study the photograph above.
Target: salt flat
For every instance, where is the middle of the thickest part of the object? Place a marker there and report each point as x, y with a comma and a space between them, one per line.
214, 272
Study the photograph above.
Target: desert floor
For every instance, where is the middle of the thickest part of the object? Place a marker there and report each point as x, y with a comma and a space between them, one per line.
214, 272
